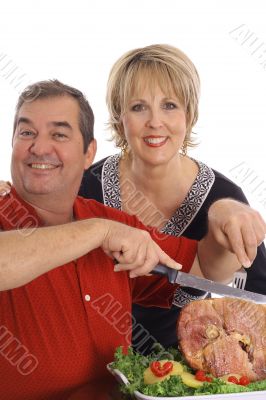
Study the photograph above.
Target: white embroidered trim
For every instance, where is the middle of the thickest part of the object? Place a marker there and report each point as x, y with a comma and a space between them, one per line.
110, 182
188, 210
181, 298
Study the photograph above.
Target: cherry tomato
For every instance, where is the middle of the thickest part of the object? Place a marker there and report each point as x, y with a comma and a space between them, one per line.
233, 379
200, 375
161, 370
208, 379
244, 380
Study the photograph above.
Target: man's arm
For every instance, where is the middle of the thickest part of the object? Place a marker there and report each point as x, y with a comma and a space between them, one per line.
24, 256
234, 227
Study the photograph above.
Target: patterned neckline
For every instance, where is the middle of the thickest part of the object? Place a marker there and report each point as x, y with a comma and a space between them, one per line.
184, 214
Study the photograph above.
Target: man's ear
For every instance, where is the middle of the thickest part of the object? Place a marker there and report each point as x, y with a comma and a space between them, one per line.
90, 154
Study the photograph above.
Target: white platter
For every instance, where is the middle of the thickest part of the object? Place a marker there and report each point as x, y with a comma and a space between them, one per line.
261, 395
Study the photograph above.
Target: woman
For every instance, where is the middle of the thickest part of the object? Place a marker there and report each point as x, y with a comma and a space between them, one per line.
152, 98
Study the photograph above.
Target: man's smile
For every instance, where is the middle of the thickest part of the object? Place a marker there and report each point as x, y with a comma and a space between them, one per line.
43, 166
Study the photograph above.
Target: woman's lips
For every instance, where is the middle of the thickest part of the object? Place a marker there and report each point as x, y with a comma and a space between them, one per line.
153, 141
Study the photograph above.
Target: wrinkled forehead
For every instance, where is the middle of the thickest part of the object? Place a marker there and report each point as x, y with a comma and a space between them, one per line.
47, 109
148, 78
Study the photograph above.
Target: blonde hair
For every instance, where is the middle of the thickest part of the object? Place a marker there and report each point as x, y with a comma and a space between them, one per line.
158, 64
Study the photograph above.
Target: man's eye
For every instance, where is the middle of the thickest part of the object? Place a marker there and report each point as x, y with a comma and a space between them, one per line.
26, 134
138, 107
60, 136
170, 106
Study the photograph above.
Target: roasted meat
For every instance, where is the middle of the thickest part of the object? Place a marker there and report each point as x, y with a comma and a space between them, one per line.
224, 336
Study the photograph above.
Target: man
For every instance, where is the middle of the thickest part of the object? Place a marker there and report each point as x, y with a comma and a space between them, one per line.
63, 308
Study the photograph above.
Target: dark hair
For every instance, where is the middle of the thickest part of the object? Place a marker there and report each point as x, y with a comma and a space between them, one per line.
54, 88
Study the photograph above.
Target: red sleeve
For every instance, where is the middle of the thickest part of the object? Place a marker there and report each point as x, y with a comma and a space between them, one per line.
156, 291
180, 249
152, 290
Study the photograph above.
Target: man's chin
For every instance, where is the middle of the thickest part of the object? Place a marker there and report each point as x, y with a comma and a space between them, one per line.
38, 190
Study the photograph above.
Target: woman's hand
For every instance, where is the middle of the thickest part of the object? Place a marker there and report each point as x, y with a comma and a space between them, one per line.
5, 188
238, 228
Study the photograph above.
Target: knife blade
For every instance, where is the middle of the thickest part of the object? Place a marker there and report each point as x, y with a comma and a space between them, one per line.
184, 279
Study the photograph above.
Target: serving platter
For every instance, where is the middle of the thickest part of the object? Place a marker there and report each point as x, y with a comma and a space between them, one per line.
258, 395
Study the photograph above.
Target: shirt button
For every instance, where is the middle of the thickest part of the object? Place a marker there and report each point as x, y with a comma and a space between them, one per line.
87, 297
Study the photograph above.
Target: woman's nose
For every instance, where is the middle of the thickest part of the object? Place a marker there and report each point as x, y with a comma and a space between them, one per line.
155, 120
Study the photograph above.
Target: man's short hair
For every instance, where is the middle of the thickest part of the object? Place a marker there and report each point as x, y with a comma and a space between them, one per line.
55, 88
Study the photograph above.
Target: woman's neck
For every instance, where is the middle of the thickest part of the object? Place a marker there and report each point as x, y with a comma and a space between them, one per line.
150, 178
154, 193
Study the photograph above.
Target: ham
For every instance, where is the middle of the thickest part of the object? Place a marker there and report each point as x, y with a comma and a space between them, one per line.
224, 336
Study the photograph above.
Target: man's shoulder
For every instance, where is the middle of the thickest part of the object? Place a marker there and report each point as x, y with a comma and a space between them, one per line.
15, 213
89, 208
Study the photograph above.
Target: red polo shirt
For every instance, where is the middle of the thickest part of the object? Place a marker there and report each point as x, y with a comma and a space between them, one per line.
60, 330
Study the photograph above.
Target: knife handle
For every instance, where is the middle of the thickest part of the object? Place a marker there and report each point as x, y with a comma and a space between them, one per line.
170, 273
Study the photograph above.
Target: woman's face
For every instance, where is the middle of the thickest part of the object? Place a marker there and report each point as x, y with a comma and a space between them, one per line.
154, 126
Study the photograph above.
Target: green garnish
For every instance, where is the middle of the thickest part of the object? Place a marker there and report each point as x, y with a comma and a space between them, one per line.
133, 365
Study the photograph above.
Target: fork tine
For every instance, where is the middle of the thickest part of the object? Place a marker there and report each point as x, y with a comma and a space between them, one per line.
240, 278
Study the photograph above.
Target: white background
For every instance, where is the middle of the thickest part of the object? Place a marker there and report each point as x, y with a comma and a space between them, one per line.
78, 41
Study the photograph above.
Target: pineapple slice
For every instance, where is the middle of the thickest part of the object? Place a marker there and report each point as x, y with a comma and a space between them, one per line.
177, 368
150, 378
190, 380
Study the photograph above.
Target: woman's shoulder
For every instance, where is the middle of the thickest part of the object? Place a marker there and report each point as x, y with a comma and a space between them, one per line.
98, 166
223, 178
222, 186
91, 184
225, 187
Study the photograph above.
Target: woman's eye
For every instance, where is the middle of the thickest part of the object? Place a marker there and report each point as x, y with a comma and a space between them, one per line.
138, 107
169, 106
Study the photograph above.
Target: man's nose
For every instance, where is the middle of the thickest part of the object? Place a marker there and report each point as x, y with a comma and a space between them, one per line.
41, 145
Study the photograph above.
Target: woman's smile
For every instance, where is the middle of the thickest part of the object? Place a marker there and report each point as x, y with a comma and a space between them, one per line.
155, 141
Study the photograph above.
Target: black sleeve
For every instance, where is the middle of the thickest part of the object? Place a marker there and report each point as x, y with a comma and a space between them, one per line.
91, 184
221, 188
225, 188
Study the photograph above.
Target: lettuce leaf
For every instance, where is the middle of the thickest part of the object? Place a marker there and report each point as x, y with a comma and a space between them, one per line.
133, 365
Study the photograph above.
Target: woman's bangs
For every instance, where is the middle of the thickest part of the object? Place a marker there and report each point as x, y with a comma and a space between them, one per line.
150, 76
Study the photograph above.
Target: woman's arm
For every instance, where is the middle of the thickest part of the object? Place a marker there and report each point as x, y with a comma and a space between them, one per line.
234, 232
237, 227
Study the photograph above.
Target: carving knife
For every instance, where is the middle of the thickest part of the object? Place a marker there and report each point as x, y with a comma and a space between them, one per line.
188, 280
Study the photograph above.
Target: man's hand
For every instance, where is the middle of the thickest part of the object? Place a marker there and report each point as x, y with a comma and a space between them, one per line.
238, 228
133, 249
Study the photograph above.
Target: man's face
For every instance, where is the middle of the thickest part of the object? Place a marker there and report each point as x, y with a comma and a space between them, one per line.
48, 155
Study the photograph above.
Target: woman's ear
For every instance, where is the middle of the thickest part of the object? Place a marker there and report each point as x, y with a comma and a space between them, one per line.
90, 154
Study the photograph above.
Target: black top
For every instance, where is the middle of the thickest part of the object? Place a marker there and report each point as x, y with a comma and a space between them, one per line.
101, 182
